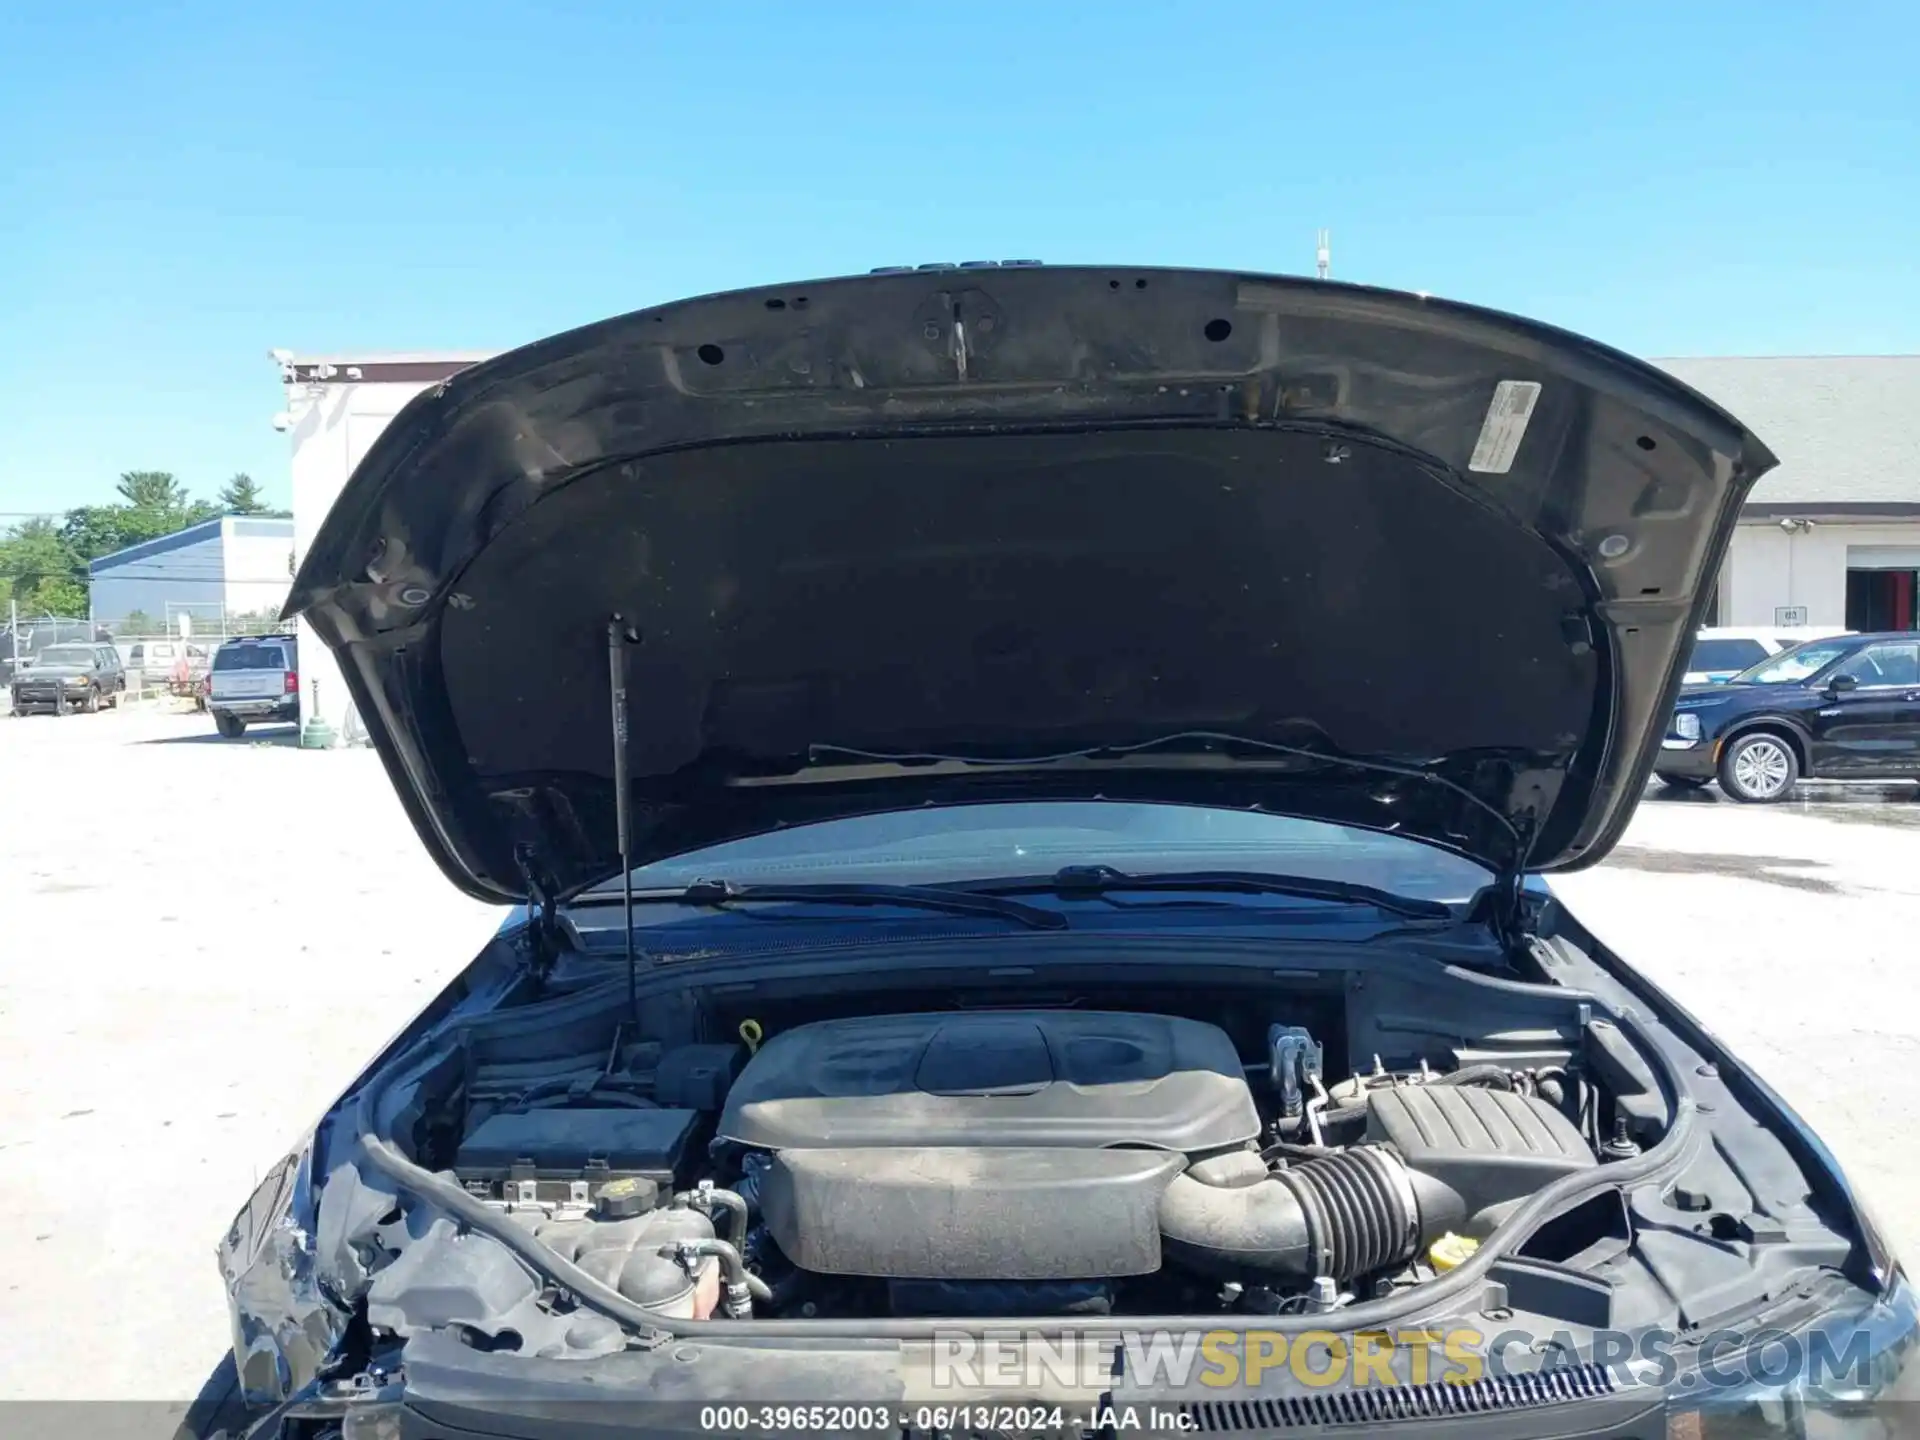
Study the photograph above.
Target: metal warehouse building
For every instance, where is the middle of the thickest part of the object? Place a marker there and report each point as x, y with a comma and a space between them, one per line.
235, 565
1830, 538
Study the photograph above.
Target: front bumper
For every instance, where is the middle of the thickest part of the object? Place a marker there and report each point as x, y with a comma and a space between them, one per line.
1851, 1376
44, 696
1689, 759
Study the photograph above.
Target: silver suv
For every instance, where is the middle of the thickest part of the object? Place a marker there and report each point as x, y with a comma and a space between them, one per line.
256, 678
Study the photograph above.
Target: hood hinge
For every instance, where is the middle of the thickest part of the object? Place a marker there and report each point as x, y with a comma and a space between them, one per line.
543, 923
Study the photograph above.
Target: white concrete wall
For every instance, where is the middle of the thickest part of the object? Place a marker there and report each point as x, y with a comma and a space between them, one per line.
258, 568
189, 577
331, 434
1770, 566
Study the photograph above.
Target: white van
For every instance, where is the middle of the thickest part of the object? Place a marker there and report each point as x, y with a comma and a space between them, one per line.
1719, 654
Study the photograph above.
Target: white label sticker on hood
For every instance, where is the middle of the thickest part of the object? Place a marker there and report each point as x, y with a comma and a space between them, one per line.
1505, 426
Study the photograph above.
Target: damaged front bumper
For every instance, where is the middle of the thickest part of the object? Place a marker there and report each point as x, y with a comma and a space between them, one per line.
284, 1323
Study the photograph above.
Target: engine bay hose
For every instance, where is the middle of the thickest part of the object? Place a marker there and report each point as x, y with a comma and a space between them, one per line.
1343, 1215
1493, 1077
541, 1259
732, 1268
709, 1198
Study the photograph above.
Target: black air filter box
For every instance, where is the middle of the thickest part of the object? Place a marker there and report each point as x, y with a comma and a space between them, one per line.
1490, 1148
570, 1143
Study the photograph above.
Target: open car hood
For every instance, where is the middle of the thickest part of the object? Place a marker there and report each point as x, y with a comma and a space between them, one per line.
883, 538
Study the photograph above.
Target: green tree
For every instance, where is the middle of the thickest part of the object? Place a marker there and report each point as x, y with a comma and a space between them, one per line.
39, 572
154, 490
91, 531
241, 496
152, 503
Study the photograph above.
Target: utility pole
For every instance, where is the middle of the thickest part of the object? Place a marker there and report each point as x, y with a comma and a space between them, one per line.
13, 632
1323, 254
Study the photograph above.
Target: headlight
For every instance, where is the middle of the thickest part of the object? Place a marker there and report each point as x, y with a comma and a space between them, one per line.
1687, 725
1853, 1375
1880, 1251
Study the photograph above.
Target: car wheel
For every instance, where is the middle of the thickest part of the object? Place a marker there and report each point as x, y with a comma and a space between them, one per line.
231, 726
1759, 769
92, 703
1682, 782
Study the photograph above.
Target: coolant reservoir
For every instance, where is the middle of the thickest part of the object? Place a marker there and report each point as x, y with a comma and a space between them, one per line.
625, 1255
1450, 1250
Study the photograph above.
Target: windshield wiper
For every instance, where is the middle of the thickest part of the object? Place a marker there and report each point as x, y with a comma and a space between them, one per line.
1501, 903
721, 893
1074, 880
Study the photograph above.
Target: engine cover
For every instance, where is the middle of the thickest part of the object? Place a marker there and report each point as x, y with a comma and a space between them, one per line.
1006, 1079
969, 1214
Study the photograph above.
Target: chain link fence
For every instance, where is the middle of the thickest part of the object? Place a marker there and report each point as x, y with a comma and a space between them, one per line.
154, 649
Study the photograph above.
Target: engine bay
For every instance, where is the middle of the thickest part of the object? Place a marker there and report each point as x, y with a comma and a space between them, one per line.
1033, 1152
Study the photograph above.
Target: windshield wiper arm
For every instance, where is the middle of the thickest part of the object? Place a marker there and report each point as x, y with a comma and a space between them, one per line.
1104, 879
720, 893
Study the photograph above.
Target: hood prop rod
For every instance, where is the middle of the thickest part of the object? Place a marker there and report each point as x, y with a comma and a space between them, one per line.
619, 636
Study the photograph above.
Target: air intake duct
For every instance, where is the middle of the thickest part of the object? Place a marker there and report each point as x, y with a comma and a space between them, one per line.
1343, 1215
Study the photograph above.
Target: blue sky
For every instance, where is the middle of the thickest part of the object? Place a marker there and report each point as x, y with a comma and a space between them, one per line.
184, 187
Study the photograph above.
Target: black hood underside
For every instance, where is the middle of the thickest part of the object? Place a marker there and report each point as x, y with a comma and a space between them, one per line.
844, 556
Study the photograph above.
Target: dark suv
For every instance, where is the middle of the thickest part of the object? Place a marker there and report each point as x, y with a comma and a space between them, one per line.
70, 677
1839, 709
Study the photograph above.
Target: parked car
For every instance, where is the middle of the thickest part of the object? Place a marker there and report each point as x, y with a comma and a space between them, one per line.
70, 677
981, 859
1846, 708
35, 635
169, 664
254, 679
1721, 653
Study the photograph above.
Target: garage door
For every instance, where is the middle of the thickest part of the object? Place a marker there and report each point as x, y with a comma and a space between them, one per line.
1883, 557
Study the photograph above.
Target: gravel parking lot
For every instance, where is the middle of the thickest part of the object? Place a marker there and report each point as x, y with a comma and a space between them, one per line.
205, 939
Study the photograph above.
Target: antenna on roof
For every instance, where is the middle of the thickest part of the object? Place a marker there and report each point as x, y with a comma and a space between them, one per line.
1323, 254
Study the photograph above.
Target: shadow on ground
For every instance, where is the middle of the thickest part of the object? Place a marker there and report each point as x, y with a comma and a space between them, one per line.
284, 735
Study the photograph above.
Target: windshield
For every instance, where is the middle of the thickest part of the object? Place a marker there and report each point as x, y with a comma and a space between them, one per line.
1000, 841
66, 655
1725, 654
1793, 665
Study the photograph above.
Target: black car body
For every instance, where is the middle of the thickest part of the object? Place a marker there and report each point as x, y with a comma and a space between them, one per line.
992, 864
1846, 708
71, 677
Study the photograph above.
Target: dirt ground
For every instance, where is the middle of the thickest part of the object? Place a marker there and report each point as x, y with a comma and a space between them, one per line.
204, 940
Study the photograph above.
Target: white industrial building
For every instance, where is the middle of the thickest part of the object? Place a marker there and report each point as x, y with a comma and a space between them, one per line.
1832, 537
336, 408
233, 565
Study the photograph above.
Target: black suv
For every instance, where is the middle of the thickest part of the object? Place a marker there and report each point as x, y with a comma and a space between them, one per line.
1839, 709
